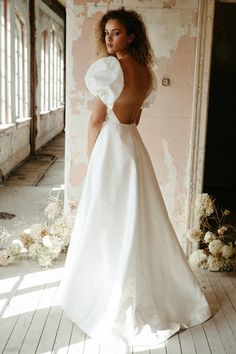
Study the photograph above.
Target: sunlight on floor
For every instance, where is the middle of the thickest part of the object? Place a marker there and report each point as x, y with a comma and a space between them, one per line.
60, 187
6, 285
28, 300
40, 278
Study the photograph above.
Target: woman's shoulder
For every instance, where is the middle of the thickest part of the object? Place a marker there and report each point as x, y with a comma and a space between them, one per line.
102, 64
104, 78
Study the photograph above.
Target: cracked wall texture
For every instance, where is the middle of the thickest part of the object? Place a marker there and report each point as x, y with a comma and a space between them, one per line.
165, 128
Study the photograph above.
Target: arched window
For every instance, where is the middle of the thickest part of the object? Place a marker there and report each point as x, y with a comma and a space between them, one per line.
21, 79
44, 72
52, 72
60, 76
5, 64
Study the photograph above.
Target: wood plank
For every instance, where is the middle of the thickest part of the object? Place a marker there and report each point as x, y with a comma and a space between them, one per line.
91, 346
213, 337
63, 335
200, 340
141, 349
104, 349
11, 311
173, 345
228, 288
33, 336
27, 305
160, 350
224, 302
77, 341
50, 329
186, 342
232, 277
221, 323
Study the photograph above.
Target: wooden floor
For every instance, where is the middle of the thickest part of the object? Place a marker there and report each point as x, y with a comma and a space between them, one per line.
32, 322
46, 168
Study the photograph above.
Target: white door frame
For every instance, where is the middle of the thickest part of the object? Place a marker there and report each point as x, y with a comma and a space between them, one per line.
200, 106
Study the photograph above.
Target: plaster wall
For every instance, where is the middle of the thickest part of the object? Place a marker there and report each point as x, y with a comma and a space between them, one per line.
166, 127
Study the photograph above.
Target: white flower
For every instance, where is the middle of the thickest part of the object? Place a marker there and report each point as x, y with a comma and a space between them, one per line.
37, 230
5, 257
227, 251
215, 247
52, 210
204, 205
17, 247
194, 235
214, 263
47, 241
33, 250
198, 258
209, 236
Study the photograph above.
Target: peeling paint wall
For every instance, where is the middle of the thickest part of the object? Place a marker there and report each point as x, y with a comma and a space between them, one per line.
165, 128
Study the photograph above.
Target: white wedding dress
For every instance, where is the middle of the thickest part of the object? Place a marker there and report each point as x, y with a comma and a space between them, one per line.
126, 277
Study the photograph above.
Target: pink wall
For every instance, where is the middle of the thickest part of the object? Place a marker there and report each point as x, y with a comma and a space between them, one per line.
166, 127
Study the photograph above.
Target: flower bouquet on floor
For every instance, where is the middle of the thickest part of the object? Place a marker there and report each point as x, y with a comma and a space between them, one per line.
215, 237
41, 242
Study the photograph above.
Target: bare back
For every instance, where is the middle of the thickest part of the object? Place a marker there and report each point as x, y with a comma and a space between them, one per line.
137, 82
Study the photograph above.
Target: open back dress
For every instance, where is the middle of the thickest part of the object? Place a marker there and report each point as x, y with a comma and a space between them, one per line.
126, 277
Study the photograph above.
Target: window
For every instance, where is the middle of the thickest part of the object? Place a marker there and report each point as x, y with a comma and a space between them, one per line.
60, 76
5, 64
44, 72
52, 72
21, 80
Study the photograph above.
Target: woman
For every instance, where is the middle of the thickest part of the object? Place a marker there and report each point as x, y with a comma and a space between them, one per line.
126, 277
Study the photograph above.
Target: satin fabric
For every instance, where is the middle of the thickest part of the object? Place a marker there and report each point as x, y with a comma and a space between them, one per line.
126, 279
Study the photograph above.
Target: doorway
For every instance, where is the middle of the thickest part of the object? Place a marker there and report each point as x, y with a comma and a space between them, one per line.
220, 162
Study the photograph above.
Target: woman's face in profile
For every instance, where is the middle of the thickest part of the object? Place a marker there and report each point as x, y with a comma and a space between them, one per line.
116, 38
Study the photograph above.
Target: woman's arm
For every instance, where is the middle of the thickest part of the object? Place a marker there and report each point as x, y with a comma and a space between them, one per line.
138, 117
95, 124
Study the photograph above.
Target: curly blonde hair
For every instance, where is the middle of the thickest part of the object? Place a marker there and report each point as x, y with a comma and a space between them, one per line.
140, 47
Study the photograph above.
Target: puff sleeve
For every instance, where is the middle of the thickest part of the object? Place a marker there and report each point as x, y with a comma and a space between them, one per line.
105, 79
152, 94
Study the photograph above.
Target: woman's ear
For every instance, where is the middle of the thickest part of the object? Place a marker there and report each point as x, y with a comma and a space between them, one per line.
131, 38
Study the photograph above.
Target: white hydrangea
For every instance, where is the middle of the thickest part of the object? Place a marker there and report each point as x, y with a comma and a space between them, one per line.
214, 264
17, 247
227, 251
194, 235
204, 205
47, 241
209, 236
215, 247
198, 259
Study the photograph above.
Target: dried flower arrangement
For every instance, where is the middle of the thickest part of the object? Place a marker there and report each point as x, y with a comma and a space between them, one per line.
41, 242
216, 239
